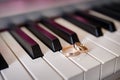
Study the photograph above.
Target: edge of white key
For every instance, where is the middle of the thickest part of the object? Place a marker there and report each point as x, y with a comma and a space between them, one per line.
58, 61
82, 34
88, 69
107, 59
14, 65
1, 78
38, 68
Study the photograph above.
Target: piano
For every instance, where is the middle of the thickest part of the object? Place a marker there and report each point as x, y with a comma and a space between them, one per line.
59, 40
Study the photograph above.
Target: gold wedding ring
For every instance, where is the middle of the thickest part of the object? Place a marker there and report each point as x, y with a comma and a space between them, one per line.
74, 50
80, 47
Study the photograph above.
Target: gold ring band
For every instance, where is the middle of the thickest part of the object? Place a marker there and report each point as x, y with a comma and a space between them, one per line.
74, 50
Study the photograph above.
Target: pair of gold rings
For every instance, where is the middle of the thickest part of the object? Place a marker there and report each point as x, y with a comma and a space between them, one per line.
74, 50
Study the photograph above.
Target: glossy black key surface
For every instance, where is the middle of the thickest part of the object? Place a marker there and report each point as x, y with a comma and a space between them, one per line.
31, 47
116, 4
61, 31
99, 21
47, 38
107, 12
3, 63
83, 24
112, 7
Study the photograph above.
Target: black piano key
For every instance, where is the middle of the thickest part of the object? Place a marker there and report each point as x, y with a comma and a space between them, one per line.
99, 21
112, 7
47, 38
107, 12
4, 29
3, 63
83, 24
61, 31
30, 46
117, 4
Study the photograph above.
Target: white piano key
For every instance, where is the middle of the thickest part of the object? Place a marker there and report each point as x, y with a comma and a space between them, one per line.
111, 47
14, 65
1, 76
101, 41
99, 55
38, 68
87, 63
118, 32
114, 37
64, 66
107, 59
61, 64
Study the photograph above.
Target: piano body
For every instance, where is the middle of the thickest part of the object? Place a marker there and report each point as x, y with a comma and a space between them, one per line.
59, 40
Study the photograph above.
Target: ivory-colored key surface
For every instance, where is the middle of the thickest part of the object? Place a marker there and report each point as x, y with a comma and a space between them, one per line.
84, 61
87, 63
1, 76
98, 55
114, 37
61, 64
106, 59
38, 68
113, 48
15, 71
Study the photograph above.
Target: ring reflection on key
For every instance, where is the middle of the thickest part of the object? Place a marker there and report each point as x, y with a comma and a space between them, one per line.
74, 50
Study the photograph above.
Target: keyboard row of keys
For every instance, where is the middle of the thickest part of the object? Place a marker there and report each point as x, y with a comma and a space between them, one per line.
81, 61
57, 59
38, 68
27, 43
100, 61
106, 24
61, 31
47, 38
87, 35
84, 24
16, 70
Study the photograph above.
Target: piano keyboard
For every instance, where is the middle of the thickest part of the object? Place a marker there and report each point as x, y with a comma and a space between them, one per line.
34, 49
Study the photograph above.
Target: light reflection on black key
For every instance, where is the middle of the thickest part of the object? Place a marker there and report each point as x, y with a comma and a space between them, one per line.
27, 43
61, 31
83, 24
47, 38
3, 63
97, 21
107, 12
